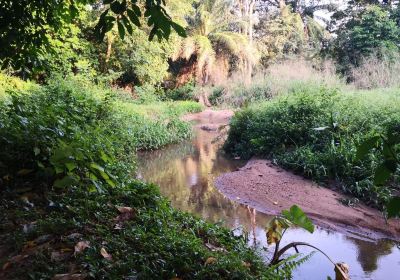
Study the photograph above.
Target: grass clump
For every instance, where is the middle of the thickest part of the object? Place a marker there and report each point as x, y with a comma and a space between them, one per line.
315, 131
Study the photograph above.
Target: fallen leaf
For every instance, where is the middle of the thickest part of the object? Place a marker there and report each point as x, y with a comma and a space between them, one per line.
246, 264
81, 246
24, 172
59, 256
6, 265
127, 213
74, 236
29, 244
106, 255
66, 250
275, 202
124, 209
42, 239
18, 258
214, 248
210, 260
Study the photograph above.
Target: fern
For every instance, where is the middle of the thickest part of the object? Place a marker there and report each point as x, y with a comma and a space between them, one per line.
284, 269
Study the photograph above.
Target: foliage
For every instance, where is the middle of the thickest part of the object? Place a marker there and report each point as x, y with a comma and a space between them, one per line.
285, 33
69, 133
315, 131
102, 222
27, 26
388, 146
185, 92
369, 29
213, 47
153, 241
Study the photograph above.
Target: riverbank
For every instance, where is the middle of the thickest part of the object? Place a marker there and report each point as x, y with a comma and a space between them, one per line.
269, 189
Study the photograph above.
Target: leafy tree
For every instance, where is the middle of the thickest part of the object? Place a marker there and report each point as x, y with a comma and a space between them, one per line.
288, 31
369, 30
213, 40
27, 26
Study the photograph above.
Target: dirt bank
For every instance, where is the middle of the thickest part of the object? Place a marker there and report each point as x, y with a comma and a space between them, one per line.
270, 189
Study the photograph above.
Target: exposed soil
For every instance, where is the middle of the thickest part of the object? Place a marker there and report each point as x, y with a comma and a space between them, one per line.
270, 189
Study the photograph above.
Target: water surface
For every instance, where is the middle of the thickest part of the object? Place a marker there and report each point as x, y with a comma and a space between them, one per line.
186, 172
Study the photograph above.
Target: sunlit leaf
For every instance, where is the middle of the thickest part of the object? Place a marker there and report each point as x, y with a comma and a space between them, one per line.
105, 255
299, 218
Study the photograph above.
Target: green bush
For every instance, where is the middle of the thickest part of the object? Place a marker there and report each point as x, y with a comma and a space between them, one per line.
185, 92
315, 131
70, 132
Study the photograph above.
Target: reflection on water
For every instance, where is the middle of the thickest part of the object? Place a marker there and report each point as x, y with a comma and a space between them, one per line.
185, 174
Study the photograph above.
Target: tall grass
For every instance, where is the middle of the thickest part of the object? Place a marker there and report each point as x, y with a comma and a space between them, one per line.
377, 72
279, 78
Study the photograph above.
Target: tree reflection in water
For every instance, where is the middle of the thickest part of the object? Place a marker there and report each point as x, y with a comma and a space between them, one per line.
186, 172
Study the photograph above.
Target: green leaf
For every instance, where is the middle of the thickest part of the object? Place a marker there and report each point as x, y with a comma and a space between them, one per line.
298, 218
179, 29
133, 17
136, 10
67, 181
121, 30
382, 174
365, 147
70, 166
117, 7
393, 207
127, 25
94, 165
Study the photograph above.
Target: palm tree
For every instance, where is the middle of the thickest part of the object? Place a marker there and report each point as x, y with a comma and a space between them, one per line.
214, 46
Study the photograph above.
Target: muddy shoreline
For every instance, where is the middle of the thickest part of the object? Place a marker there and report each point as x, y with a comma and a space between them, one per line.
270, 189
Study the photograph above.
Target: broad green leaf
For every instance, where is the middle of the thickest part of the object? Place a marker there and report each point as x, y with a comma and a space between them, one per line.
67, 181
298, 218
117, 7
393, 207
70, 166
121, 30
179, 29
133, 17
382, 174
366, 146
127, 24
94, 165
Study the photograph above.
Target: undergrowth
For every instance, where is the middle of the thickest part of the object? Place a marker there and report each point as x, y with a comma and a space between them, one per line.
315, 131
70, 208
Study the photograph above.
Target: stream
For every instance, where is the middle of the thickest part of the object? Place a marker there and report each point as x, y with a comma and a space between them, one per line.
186, 172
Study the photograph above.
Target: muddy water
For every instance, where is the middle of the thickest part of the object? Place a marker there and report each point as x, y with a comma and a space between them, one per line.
185, 174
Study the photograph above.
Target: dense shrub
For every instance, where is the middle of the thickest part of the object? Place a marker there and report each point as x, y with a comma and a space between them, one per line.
185, 92
315, 131
155, 242
71, 132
